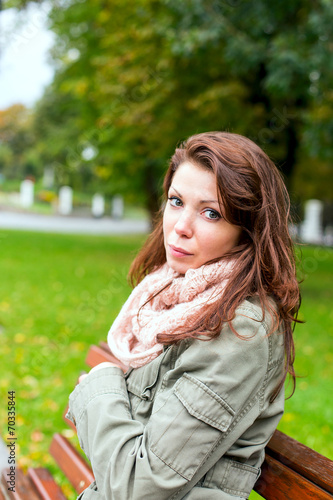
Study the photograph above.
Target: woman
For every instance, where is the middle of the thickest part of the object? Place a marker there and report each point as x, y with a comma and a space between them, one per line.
204, 342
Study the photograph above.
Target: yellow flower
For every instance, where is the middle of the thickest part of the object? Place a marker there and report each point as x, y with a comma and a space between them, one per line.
19, 338
289, 417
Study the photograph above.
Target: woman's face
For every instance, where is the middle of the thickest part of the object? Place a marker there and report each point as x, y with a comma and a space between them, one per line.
194, 229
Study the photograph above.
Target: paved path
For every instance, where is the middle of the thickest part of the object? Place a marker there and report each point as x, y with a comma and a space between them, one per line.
70, 224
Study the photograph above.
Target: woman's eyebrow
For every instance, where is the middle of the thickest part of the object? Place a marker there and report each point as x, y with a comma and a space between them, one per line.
209, 201
171, 187
201, 201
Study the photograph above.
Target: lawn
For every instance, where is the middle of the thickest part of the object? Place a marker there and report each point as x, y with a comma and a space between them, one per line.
60, 293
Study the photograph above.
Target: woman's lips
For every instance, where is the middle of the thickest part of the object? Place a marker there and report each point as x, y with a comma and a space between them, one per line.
178, 252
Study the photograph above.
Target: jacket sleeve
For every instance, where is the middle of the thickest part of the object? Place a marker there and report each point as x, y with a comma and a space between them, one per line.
207, 400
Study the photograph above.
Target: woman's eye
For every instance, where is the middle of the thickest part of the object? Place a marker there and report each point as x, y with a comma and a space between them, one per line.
212, 214
175, 202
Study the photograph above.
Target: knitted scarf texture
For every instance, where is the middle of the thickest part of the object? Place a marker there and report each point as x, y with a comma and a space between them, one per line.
132, 337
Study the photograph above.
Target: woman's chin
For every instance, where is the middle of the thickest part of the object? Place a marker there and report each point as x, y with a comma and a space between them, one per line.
178, 266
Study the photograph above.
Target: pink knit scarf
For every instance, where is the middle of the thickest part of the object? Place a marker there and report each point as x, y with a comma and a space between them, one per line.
132, 337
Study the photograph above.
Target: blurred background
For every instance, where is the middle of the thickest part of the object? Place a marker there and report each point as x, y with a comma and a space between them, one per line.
94, 97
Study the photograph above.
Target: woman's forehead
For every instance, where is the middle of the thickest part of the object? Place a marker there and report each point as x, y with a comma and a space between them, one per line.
189, 177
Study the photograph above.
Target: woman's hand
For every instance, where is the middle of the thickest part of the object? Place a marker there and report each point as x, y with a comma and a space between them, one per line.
100, 366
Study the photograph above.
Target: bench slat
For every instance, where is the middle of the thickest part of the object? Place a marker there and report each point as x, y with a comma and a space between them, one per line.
98, 354
278, 482
71, 463
44, 483
105, 346
24, 489
68, 422
302, 459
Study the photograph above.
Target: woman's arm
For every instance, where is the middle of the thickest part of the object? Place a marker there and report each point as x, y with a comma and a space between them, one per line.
210, 397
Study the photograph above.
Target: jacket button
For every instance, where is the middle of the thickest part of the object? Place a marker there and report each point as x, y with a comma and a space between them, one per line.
146, 394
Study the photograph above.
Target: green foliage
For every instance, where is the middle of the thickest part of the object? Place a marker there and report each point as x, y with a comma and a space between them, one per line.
17, 159
134, 79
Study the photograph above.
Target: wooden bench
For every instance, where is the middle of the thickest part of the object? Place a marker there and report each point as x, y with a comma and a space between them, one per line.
291, 471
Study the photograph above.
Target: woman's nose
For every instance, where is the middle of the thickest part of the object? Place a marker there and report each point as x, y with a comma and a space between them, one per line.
184, 225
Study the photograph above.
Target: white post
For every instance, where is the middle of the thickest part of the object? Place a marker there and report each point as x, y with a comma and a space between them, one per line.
48, 177
65, 200
98, 205
328, 236
311, 229
117, 209
27, 193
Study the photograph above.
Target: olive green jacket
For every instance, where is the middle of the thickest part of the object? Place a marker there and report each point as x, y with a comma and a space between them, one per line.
192, 424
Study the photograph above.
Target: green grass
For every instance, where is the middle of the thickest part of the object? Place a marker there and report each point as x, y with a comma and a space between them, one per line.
308, 413
60, 293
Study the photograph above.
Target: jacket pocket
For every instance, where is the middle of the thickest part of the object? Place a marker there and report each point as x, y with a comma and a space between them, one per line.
203, 403
188, 425
232, 477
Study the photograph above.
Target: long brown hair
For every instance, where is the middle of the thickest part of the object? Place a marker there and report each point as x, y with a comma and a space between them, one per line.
253, 196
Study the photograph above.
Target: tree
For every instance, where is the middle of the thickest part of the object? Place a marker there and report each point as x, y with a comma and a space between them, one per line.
140, 97
16, 138
134, 79
282, 53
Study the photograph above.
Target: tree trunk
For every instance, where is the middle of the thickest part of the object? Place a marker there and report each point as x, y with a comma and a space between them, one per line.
152, 190
292, 144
